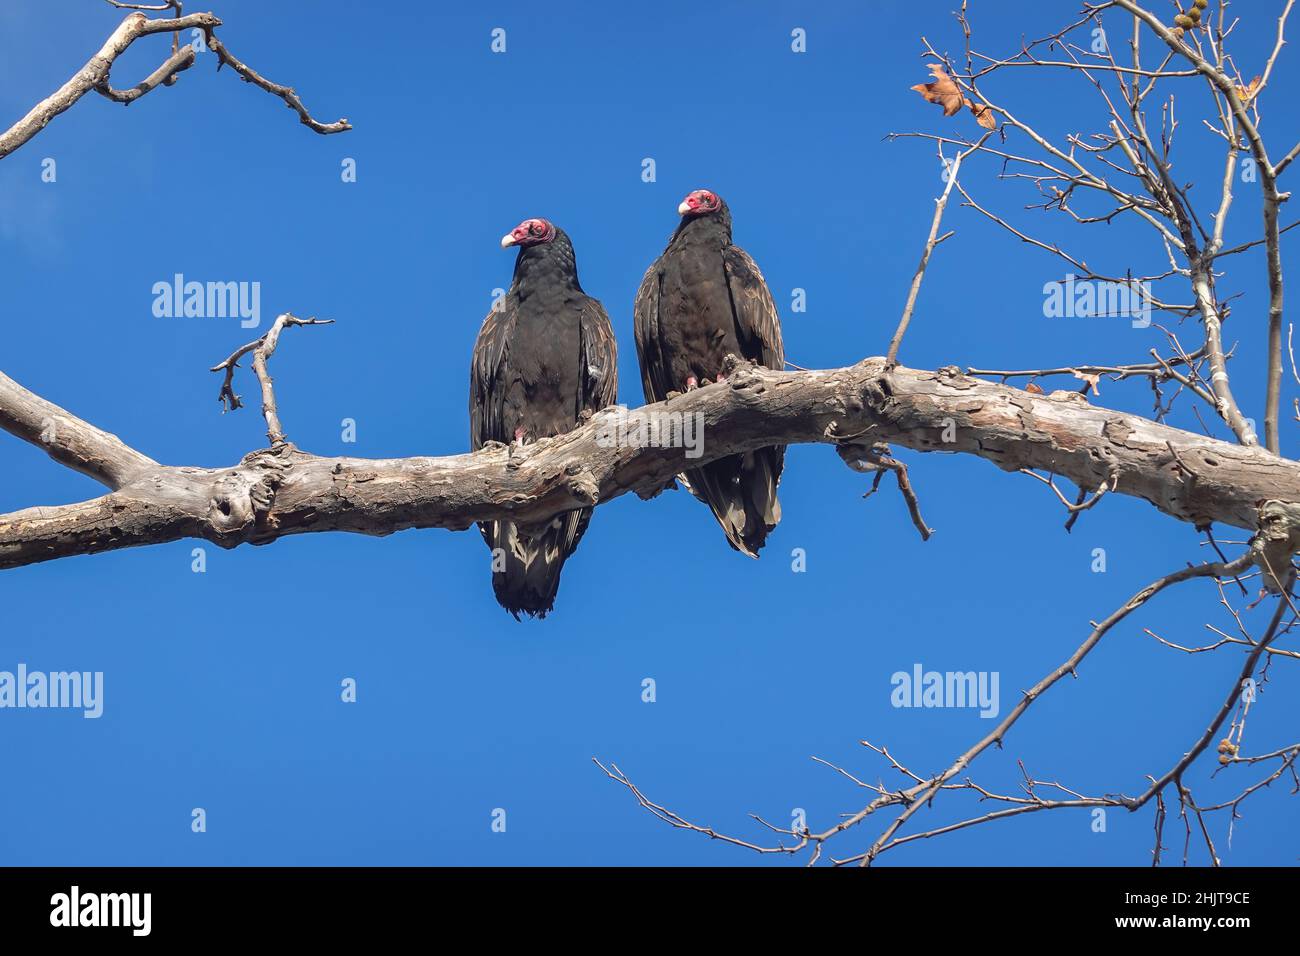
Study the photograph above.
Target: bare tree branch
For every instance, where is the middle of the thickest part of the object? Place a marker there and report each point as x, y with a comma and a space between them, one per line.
1273, 198
934, 239
178, 62
94, 75
286, 93
288, 491
923, 789
69, 440
262, 350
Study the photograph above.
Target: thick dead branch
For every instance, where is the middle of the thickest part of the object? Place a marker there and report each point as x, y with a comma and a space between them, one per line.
69, 440
288, 491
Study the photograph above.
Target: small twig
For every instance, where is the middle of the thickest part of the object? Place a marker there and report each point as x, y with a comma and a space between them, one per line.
1157, 368
877, 459
262, 350
930, 244
165, 75
286, 93
1084, 502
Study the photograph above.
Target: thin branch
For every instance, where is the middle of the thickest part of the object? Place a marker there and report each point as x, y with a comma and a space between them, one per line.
262, 349
95, 73
1272, 198
165, 75
931, 242
877, 459
286, 93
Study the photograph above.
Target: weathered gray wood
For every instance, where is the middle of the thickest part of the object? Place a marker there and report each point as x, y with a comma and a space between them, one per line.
95, 73
67, 439
284, 491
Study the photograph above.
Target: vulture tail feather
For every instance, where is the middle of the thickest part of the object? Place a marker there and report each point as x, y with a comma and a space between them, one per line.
740, 490
527, 561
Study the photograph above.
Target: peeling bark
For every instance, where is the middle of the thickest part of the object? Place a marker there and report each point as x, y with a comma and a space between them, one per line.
285, 490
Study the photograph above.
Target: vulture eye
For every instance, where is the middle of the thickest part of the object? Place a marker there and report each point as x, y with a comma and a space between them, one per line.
537, 229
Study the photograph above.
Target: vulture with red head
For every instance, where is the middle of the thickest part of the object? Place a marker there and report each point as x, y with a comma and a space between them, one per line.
702, 300
545, 354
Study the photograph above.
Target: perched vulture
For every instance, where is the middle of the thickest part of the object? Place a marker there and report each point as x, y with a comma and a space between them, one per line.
546, 353
703, 299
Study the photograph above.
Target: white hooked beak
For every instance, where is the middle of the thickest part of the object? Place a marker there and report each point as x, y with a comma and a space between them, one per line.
684, 208
508, 240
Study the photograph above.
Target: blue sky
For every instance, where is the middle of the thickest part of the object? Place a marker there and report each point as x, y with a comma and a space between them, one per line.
222, 688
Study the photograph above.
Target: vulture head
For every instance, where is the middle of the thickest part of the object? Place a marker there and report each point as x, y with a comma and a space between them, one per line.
704, 214
545, 254
530, 232
702, 202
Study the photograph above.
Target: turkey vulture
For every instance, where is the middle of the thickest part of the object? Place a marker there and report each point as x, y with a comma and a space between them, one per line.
545, 354
703, 299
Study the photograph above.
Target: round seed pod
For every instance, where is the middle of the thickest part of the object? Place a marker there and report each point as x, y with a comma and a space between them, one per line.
1195, 14
1184, 21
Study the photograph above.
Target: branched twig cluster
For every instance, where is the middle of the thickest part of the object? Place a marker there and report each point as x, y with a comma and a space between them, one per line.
95, 74
262, 349
920, 791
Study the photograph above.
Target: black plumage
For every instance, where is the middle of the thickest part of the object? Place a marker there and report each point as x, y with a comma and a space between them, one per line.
703, 299
545, 354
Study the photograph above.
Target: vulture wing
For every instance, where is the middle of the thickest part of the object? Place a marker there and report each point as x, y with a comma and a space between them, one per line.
741, 489
600, 390
599, 357
757, 325
486, 403
654, 369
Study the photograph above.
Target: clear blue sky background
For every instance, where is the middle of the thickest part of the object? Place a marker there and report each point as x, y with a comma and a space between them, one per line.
222, 688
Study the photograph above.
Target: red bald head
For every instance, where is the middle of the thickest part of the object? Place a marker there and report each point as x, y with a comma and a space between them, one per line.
530, 232
699, 203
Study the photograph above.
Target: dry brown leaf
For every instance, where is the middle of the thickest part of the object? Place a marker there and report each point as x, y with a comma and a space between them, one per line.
942, 90
983, 114
1247, 93
1092, 380
1033, 389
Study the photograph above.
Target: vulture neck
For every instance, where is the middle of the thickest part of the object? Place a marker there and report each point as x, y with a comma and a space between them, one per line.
546, 266
708, 230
